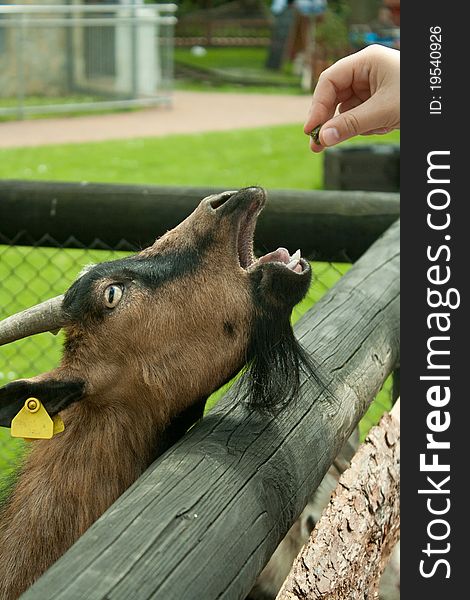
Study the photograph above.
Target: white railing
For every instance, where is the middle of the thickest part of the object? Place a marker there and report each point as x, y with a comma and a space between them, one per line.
68, 58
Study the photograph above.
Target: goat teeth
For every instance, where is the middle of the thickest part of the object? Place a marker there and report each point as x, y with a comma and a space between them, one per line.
296, 255
293, 263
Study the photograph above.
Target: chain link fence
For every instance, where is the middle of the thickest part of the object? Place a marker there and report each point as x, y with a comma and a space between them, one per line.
74, 58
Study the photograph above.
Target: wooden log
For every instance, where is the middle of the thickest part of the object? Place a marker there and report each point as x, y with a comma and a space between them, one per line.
204, 519
331, 226
351, 544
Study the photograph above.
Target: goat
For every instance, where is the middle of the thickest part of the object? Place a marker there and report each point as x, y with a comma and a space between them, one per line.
148, 338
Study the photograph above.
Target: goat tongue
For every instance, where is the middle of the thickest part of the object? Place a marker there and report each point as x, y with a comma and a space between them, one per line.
279, 255
294, 263
282, 255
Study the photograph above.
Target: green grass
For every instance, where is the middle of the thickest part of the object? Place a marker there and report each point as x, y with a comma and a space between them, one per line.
275, 157
244, 64
224, 58
211, 86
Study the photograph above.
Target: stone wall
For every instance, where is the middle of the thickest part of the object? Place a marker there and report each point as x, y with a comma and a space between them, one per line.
59, 60
33, 59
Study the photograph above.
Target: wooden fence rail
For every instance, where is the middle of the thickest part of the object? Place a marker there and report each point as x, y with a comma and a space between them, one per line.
210, 31
331, 226
205, 517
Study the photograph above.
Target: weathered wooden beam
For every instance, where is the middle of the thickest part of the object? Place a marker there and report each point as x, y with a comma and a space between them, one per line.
325, 225
206, 516
352, 542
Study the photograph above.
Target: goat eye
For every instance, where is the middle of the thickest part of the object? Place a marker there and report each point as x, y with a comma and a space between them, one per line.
112, 295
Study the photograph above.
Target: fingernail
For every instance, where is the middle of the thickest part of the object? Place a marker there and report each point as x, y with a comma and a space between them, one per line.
330, 136
380, 131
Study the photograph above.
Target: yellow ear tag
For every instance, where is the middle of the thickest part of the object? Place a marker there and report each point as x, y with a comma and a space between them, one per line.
34, 423
58, 424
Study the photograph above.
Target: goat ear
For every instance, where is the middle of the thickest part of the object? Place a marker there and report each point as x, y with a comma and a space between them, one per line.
55, 395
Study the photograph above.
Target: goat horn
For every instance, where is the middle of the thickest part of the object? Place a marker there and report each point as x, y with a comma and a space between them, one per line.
46, 316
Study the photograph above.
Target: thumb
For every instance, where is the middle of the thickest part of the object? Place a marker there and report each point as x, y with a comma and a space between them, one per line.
365, 117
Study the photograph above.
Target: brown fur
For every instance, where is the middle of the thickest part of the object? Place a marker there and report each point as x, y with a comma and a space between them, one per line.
137, 379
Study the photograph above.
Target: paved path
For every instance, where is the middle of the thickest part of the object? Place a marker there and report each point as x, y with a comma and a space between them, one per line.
192, 112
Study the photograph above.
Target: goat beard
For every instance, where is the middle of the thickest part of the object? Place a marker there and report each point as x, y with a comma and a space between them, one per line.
276, 361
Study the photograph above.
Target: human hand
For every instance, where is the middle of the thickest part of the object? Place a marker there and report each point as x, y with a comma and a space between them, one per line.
359, 94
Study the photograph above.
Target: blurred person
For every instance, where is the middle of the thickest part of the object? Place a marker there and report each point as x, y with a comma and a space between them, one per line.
302, 47
293, 35
393, 7
358, 95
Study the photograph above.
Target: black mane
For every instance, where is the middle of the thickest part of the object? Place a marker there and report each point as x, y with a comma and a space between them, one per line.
276, 361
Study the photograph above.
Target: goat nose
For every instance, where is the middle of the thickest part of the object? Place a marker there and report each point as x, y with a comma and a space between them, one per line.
217, 200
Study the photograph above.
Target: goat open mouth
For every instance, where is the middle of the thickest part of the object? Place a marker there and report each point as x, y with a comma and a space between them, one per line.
249, 203
246, 256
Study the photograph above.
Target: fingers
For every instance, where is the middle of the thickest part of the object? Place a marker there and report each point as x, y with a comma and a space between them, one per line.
349, 104
367, 116
381, 131
334, 86
371, 116
357, 95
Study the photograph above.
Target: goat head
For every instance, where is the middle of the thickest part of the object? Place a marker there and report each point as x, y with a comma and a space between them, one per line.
174, 321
